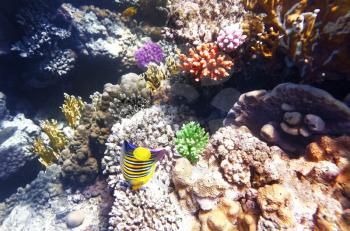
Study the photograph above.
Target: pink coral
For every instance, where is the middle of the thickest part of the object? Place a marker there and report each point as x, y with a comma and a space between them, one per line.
206, 61
231, 37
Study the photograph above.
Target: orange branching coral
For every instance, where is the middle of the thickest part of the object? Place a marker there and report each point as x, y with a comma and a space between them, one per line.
206, 61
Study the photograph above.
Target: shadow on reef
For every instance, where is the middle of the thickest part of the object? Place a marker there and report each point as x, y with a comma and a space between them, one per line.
20, 179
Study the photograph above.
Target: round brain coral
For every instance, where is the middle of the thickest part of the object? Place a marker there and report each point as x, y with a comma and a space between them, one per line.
150, 52
206, 61
190, 141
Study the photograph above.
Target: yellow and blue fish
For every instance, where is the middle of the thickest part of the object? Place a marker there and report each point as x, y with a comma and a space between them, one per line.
138, 164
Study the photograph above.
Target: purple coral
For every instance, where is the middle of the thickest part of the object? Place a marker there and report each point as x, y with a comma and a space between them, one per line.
150, 52
230, 38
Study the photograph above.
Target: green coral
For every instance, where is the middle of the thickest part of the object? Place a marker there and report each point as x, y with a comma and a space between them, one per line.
191, 140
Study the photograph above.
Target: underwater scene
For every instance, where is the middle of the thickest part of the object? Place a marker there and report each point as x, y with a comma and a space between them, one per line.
167, 115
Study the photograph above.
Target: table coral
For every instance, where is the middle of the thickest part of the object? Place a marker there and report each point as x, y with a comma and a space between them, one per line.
206, 61
291, 115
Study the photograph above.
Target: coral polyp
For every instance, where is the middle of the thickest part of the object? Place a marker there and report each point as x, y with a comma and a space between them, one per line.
150, 52
206, 61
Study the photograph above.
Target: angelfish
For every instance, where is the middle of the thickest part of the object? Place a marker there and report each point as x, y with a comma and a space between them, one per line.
138, 164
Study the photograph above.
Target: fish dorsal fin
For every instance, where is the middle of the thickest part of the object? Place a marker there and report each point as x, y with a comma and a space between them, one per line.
142, 154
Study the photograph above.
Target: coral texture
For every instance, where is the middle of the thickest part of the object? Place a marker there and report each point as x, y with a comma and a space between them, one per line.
312, 34
199, 21
16, 137
154, 128
283, 193
191, 140
291, 115
230, 37
206, 61
149, 52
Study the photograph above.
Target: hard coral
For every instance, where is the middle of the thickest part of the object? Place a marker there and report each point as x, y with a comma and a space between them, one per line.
206, 61
311, 33
231, 37
191, 140
291, 115
198, 21
150, 52
71, 109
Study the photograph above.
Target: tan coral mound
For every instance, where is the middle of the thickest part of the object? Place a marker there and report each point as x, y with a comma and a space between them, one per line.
273, 191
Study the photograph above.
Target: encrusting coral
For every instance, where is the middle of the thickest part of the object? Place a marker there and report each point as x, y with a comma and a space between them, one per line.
282, 193
206, 61
291, 115
312, 34
71, 109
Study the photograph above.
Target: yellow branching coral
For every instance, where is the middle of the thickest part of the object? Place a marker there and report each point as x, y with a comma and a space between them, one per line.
72, 108
58, 139
47, 155
154, 75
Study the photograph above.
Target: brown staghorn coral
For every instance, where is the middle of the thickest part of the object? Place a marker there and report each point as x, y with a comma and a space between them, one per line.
312, 34
291, 115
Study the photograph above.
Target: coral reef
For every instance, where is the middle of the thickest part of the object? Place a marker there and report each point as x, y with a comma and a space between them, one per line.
44, 205
16, 137
312, 34
230, 37
199, 21
283, 193
149, 52
191, 140
80, 160
291, 115
158, 210
206, 61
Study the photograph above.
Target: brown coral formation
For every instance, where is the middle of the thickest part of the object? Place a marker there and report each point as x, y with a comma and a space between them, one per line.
327, 148
311, 33
291, 115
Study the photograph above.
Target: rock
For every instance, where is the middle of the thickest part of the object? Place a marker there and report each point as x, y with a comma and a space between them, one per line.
315, 123
16, 137
269, 133
75, 218
292, 118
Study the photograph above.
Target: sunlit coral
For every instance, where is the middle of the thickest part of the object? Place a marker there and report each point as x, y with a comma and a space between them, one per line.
58, 139
47, 155
72, 108
206, 61
231, 37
